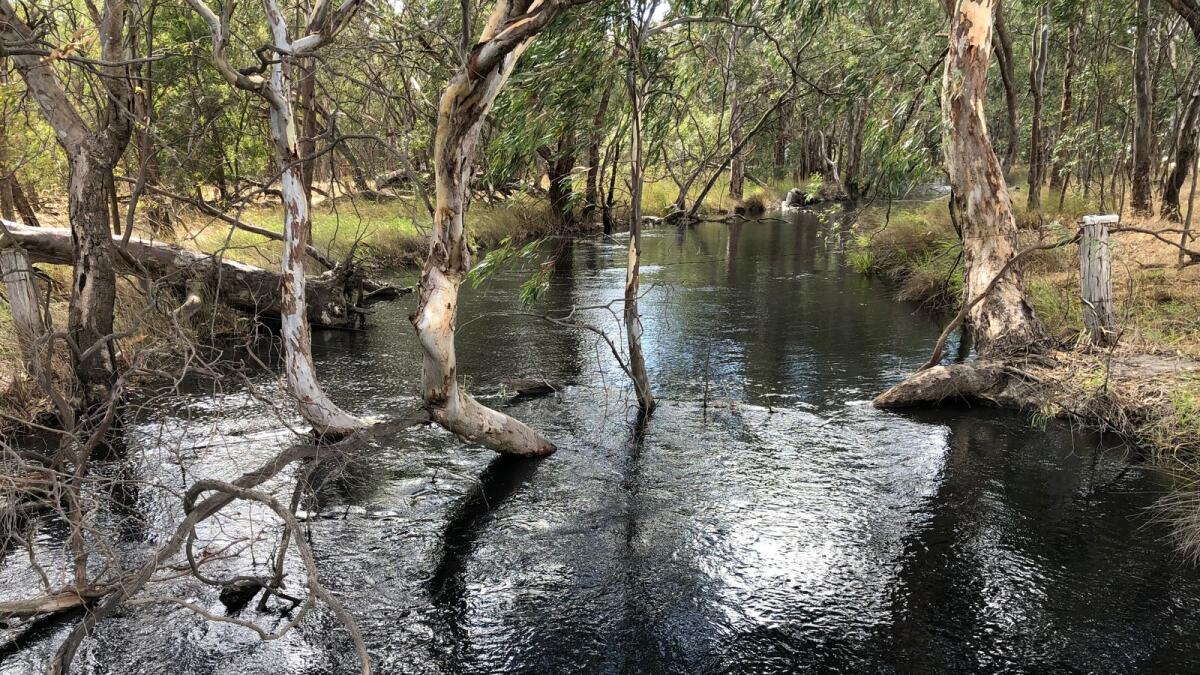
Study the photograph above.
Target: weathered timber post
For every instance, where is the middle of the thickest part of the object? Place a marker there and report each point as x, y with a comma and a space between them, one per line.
22, 293
1095, 280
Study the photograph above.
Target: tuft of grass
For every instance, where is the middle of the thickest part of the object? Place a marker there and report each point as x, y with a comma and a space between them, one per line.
915, 249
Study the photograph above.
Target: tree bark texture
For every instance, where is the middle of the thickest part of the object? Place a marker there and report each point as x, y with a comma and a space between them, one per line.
1004, 60
314, 404
1037, 88
1185, 151
1058, 171
461, 112
1003, 321
632, 318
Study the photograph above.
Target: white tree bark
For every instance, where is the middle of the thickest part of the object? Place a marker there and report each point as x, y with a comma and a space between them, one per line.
314, 404
632, 317
461, 112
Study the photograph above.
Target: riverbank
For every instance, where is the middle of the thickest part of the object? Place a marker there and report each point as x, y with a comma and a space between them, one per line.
1146, 388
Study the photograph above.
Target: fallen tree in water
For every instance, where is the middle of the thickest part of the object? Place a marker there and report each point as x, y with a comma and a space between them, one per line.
334, 298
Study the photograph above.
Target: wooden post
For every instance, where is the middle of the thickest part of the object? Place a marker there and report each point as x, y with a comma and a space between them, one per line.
1095, 280
23, 300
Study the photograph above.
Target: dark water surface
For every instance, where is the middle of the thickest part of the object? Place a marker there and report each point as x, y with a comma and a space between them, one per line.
769, 521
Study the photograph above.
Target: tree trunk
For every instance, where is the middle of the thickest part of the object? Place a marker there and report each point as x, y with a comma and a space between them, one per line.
93, 282
1004, 60
238, 285
461, 111
1037, 85
559, 165
1143, 136
307, 68
594, 159
23, 204
1184, 152
737, 160
855, 128
1004, 321
315, 405
91, 156
1058, 174
633, 320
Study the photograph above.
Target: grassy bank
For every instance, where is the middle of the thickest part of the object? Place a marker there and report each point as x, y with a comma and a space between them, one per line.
1146, 388
385, 236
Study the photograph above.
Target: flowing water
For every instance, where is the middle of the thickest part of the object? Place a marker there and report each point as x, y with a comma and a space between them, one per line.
768, 520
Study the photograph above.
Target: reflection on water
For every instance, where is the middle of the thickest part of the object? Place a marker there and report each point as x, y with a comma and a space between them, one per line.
768, 520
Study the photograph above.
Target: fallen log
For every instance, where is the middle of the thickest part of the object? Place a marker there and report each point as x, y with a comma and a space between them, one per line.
331, 296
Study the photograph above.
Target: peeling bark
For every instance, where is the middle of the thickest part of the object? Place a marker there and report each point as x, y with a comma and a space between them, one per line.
461, 111
314, 404
1003, 321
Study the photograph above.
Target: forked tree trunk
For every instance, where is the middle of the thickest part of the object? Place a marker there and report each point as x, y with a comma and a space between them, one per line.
1004, 321
461, 112
315, 405
1143, 134
91, 155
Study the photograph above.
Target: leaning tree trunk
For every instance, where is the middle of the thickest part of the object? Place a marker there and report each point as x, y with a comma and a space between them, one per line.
461, 112
1184, 153
1143, 135
1003, 321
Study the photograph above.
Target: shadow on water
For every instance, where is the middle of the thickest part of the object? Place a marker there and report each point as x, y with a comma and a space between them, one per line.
632, 628
504, 476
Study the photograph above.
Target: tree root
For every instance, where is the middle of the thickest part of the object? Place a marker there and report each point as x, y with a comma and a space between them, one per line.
994, 382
